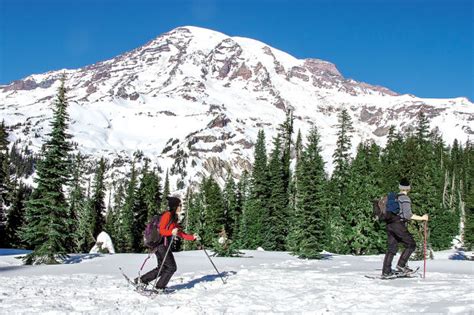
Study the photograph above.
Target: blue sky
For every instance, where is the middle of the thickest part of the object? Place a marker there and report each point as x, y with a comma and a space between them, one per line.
420, 47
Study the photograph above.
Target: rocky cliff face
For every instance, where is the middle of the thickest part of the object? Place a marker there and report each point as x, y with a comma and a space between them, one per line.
193, 100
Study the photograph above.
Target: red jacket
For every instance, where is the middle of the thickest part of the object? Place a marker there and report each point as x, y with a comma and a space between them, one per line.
165, 219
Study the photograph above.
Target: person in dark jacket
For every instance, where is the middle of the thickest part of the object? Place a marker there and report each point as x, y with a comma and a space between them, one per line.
168, 227
397, 232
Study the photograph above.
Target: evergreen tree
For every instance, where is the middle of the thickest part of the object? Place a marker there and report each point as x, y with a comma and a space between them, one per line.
231, 206
127, 215
151, 193
292, 188
78, 201
252, 228
298, 146
223, 246
342, 154
339, 182
469, 197
166, 193
84, 239
113, 224
453, 199
286, 133
194, 216
423, 165
186, 223
309, 237
4, 182
469, 222
391, 158
456, 162
448, 212
422, 128
241, 196
214, 219
146, 204
362, 236
276, 221
98, 199
16, 215
47, 213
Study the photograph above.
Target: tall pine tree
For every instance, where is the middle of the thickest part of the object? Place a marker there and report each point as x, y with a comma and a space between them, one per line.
362, 236
47, 213
194, 216
231, 206
391, 158
214, 218
127, 216
147, 203
252, 229
4, 182
78, 205
469, 197
310, 219
286, 133
98, 199
113, 223
339, 181
16, 215
276, 221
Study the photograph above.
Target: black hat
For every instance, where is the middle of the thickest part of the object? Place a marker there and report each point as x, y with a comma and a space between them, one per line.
404, 184
173, 203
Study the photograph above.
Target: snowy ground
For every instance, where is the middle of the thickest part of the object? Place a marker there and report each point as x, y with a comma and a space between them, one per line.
263, 282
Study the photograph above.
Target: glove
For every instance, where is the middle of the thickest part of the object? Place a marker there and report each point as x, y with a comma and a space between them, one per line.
197, 237
175, 231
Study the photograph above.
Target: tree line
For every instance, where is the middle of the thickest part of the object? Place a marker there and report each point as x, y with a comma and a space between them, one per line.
276, 205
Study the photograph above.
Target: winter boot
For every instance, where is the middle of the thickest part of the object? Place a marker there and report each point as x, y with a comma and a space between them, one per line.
139, 284
404, 270
388, 275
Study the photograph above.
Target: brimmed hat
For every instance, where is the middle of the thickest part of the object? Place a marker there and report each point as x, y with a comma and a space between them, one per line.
404, 184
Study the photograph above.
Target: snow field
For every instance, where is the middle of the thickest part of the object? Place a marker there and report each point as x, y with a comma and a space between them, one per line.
262, 283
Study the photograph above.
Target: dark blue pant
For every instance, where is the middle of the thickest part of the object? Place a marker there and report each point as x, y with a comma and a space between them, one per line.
397, 232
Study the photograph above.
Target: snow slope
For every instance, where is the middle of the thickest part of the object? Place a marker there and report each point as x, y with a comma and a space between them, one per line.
200, 97
262, 282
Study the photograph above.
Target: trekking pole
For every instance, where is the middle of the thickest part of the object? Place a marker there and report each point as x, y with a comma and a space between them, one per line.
424, 249
212, 263
143, 265
164, 259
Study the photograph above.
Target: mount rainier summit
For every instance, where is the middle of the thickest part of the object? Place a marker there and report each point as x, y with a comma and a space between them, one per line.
192, 100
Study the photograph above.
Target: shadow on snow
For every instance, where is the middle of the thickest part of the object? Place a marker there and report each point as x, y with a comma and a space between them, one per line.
77, 258
207, 278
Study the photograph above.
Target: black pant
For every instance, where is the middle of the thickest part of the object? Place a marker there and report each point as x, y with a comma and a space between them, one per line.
397, 232
169, 268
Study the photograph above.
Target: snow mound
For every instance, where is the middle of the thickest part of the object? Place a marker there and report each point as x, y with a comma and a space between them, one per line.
103, 244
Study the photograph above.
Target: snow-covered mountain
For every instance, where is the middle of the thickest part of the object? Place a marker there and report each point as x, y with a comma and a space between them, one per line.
193, 101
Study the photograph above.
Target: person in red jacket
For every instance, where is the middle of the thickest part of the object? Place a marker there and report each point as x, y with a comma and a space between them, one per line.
168, 227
